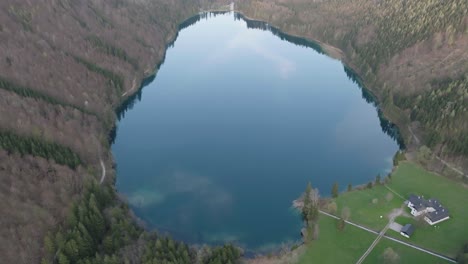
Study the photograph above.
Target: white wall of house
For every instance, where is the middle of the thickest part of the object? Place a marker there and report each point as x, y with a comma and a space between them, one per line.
436, 222
416, 212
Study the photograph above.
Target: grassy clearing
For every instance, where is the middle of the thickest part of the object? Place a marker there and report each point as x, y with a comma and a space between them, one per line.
406, 254
335, 246
447, 237
368, 205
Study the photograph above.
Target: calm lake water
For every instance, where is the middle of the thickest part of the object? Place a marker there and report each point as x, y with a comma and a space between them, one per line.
235, 124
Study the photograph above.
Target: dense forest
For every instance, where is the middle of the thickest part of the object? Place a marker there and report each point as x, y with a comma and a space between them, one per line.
443, 112
38, 147
401, 24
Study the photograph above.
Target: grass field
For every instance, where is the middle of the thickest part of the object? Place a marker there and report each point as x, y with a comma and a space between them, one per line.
448, 236
368, 205
406, 254
364, 211
334, 246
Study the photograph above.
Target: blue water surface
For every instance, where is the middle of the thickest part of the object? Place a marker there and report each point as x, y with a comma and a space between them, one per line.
233, 127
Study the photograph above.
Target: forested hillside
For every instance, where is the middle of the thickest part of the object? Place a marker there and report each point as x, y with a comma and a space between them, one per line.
407, 52
65, 67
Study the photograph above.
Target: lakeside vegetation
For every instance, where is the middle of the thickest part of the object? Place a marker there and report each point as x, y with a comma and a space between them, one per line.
335, 246
100, 230
310, 213
368, 205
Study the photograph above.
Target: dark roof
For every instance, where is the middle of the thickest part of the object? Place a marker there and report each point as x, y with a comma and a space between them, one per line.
434, 203
408, 229
418, 202
438, 214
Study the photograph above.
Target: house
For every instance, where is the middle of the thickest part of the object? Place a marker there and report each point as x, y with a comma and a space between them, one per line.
407, 230
437, 216
432, 209
416, 204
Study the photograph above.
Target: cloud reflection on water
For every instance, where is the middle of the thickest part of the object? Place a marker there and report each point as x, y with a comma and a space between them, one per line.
253, 41
199, 188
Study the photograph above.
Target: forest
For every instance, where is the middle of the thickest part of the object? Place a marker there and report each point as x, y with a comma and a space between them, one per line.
38, 147
115, 80
112, 50
443, 112
31, 93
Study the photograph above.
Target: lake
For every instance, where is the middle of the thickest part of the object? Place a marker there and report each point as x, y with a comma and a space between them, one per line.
239, 118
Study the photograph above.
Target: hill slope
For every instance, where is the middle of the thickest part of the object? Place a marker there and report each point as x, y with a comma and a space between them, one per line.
65, 66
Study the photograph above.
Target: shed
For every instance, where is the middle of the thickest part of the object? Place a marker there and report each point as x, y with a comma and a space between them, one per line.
407, 230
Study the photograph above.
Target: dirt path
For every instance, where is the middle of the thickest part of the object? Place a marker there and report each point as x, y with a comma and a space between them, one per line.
131, 90
441, 160
399, 195
451, 167
103, 167
421, 249
351, 223
414, 136
392, 217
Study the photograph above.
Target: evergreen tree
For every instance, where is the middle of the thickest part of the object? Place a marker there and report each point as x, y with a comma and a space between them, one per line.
49, 245
307, 202
335, 190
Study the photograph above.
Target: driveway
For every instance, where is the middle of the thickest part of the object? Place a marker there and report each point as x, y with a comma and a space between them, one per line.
395, 227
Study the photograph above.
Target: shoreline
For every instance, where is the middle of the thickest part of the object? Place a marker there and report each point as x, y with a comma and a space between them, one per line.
148, 76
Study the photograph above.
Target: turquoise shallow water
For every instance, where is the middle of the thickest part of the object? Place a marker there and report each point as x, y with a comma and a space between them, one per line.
235, 124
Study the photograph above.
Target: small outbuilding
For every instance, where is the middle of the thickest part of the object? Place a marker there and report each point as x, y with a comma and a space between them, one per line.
407, 230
